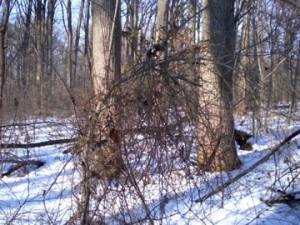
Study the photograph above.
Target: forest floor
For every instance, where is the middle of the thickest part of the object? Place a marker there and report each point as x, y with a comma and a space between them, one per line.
267, 194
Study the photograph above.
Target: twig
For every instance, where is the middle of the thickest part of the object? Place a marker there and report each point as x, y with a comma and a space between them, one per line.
259, 162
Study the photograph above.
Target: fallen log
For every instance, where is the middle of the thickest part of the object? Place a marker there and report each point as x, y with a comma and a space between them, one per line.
38, 144
20, 164
283, 198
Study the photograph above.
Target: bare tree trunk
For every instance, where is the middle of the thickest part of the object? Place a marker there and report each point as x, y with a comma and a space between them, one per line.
243, 77
3, 28
256, 76
87, 52
192, 21
76, 41
105, 68
216, 147
132, 40
290, 69
24, 76
294, 81
161, 21
102, 42
49, 51
69, 29
40, 49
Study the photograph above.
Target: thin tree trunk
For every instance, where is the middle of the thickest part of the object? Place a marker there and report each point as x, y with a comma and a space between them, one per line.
133, 39
243, 77
49, 49
70, 79
3, 29
192, 22
40, 49
86, 39
294, 83
76, 41
24, 75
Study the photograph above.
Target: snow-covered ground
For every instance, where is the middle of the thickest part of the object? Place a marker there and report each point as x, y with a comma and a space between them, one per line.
50, 195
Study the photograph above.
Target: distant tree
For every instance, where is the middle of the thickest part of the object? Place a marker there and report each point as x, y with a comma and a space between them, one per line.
216, 147
3, 28
77, 38
243, 75
132, 31
192, 21
73, 37
69, 31
51, 6
40, 49
25, 46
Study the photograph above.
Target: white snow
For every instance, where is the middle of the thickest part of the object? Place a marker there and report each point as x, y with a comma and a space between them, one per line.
49, 194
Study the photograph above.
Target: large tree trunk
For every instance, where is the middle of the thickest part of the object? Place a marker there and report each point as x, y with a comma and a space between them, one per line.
106, 52
216, 147
103, 38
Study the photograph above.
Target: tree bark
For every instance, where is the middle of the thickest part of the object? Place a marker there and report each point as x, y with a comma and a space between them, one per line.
216, 147
106, 45
161, 21
104, 34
